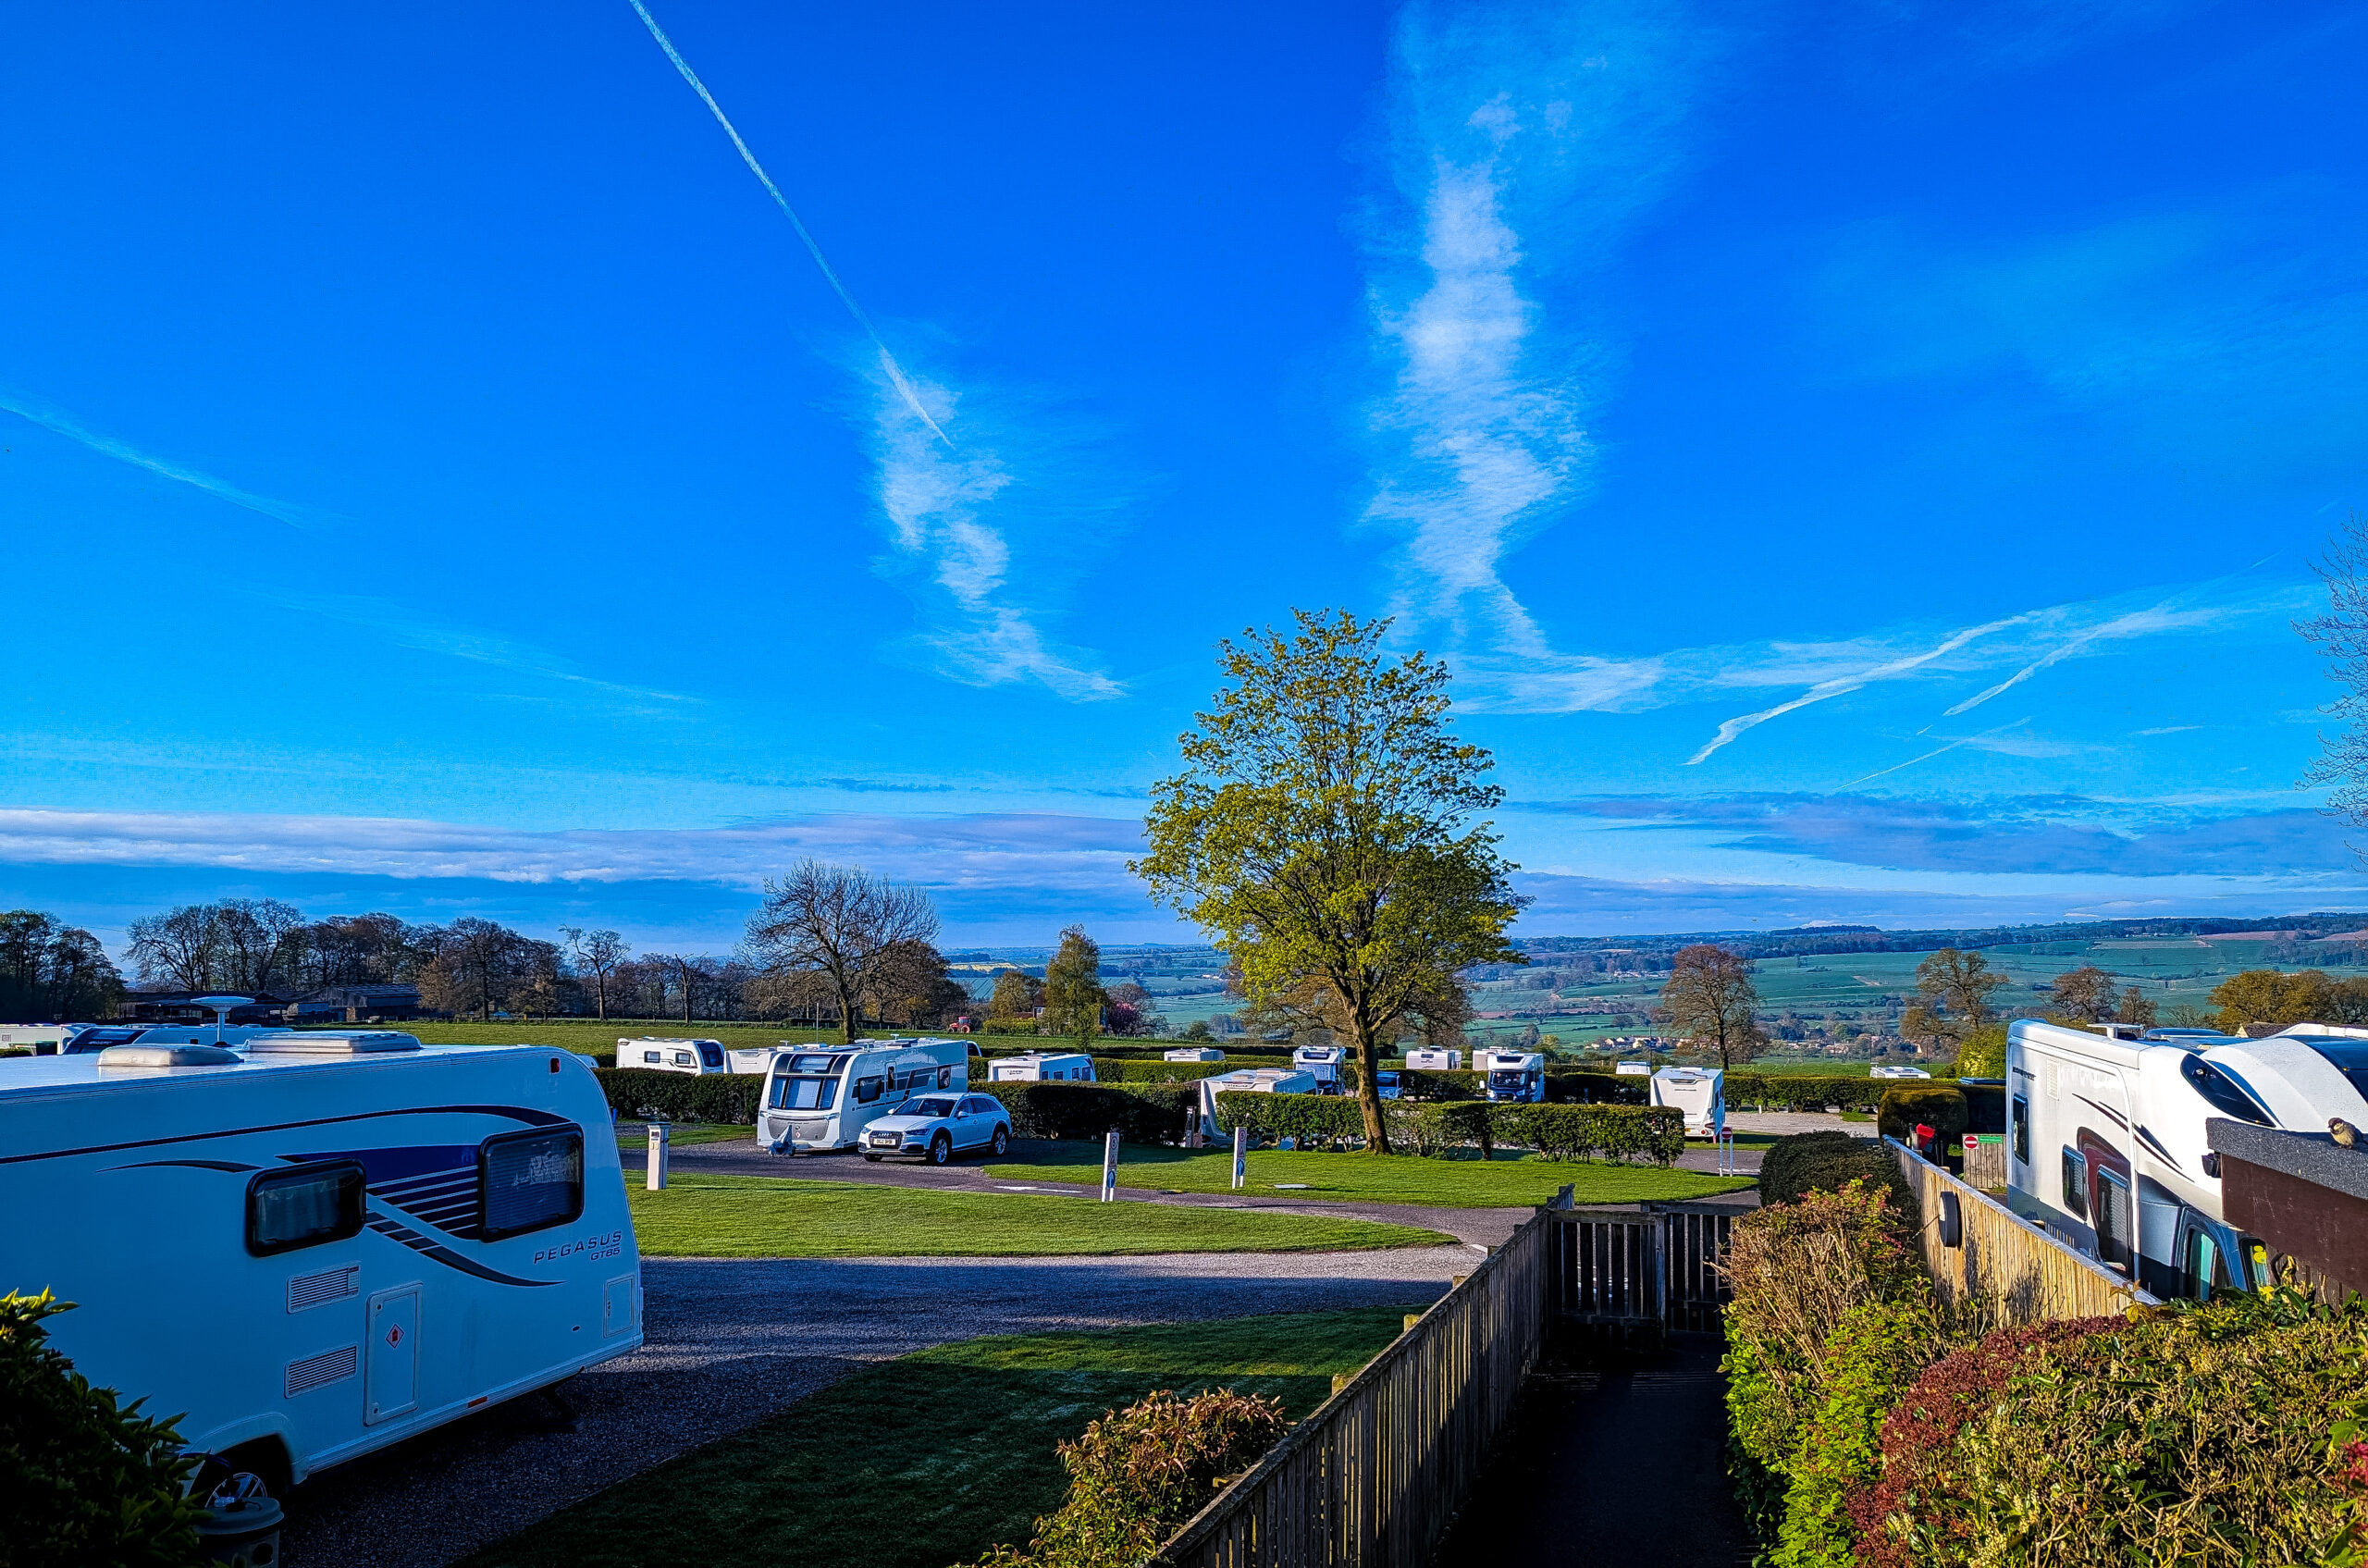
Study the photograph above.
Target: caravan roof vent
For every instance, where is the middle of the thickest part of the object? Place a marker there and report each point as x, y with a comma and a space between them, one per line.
359, 1044
168, 1057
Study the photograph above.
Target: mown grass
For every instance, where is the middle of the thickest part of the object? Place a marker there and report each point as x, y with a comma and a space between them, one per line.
632, 1138
768, 1216
931, 1459
1504, 1183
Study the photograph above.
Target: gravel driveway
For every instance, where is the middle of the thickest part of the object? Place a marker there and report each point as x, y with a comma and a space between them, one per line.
732, 1341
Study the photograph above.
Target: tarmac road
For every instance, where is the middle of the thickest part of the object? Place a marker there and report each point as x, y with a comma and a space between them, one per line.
730, 1342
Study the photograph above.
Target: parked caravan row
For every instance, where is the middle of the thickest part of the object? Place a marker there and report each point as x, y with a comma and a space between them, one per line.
1041, 1066
2106, 1143
659, 1053
318, 1245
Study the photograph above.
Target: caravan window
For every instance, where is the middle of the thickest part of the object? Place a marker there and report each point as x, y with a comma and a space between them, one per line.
805, 1093
527, 1180
869, 1089
814, 1064
2021, 1116
303, 1206
657, 1056
2075, 1183
682, 1059
713, 1055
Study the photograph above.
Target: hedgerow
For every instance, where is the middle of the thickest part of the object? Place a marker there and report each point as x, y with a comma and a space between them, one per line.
1827, 1161
1877, 1349
1324, 1121
1143, 1113
1595, 1132
1140, 1473
638, 1093
1939, 1106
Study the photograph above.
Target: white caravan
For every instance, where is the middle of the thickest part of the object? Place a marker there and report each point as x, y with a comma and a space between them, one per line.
325, 1244
1323, 1064
1041, 1066
1700, 1093
1897, 1073
1249, 1080
660, 1055
1194, 1054
1511, 1075
40, 1039
753, 1060
1633, 1069
1430, 1060
819, 1097
2106, 1146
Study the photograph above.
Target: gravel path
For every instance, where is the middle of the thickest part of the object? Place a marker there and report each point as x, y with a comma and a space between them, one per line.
733, 1340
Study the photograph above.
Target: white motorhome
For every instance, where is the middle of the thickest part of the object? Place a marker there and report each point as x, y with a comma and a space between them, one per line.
1897, 1073
658, 1054
1321, 1062
1041, 1066
1193, 1053
1427, 1059
1700, 1093
40, 1039
2106, 1146
1511, 1075
1249, 1080
819, 1097
325, 1244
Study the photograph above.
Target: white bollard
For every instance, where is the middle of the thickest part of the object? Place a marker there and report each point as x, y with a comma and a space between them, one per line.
658, 1147
1241, 1158
1110, 1165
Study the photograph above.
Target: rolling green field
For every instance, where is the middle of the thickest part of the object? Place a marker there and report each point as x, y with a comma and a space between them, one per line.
1377, 1179
770, 1216
935, 1457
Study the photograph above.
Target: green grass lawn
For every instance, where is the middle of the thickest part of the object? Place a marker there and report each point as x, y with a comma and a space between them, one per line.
1505, 1182
931, 1459
634, 1141
768, 1216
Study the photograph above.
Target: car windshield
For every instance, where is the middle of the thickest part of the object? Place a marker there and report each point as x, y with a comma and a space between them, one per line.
928, 1109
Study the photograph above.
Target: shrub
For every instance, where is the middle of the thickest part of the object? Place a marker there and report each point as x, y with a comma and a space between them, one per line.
1143, 1113
1137, 1071
83, 1479
1437, 1129
1310, 1118
681, 1097
2209, 1435
1828, 1161
1803, 1092
1875, 1351
1983, 1054
1596, 1089
1139, 1474
1940, 1108
1609, 1132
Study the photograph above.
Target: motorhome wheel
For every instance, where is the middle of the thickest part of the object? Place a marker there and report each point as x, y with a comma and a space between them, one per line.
940, 1149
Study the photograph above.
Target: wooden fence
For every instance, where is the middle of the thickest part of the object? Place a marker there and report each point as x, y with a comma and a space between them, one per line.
1372, 1478
2000, 1263
1653, 1266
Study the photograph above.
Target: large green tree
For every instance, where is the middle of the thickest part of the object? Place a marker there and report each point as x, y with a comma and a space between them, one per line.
1073, 994
1710, 999
1324, 831
1953, 986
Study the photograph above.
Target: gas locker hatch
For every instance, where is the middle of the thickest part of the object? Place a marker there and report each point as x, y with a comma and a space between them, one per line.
390, 1378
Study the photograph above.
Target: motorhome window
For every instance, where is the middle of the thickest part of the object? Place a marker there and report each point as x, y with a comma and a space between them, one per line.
2221, 1091
928, 1108
2202, 1265
804, 1093
529, 1181
2348, 1058
2075, 1183
713, 1055
869, 1089
2022, 1119
303, 1206
2112, 1217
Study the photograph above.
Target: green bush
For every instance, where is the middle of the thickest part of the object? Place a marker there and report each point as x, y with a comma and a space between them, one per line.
1826, 1162
1787, 1091
1938, 1107
1140, 1473
83, 1479
1439, 1129
1601, 1132
2218, 1435
1597, 1088
1312, 1120
1878, 1349
1143, 1113
681, 1097
1983, 1054
1130, 1070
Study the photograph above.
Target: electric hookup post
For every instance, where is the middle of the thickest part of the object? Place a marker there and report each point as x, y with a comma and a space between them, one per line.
1240, 1158
658, 1148
1110, 1164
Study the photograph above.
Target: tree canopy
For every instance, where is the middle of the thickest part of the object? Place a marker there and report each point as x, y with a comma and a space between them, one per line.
1322, 831
1710, 996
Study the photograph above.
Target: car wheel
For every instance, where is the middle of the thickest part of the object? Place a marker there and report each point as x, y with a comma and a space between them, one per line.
940, 1149
1000, 1143
873, 1158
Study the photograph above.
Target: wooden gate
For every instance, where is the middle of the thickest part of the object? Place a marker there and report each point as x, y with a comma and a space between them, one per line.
1652, 1266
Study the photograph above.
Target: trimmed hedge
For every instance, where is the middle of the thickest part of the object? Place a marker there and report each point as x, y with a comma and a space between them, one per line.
1938, 1107
1596, 1132
1143, 1113
1585, 1088
1826, 1162
1327, 1119
635, 1093
1440, 1127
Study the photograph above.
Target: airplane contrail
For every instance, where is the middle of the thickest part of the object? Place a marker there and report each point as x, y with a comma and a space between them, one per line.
887, 361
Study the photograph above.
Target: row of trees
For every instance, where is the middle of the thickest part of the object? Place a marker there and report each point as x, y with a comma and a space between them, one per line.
50, 971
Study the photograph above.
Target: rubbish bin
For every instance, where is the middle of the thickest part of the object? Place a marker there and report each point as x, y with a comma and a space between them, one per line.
240, 1524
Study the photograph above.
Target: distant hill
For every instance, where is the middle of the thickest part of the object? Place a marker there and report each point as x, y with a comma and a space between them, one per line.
1817, 940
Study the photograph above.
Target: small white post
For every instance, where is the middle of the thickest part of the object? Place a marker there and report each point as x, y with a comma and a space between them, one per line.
658, 1147
1110, 1165
1240, 1158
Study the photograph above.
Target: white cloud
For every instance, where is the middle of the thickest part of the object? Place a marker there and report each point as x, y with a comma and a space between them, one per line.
58, 424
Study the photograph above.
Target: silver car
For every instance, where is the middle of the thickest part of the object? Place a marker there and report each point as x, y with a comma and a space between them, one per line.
935, 1127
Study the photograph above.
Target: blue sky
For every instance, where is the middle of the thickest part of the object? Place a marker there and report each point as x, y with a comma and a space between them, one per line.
1862, 461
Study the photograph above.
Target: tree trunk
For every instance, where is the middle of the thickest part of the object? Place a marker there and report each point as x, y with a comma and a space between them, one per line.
1369, 1090
847, 1008
600, 993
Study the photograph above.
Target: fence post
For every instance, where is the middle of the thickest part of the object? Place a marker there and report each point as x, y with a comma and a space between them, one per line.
656, 1179
1110, 1164
1240, 1158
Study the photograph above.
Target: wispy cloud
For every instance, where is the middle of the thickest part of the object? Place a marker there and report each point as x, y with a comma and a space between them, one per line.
1938, 750
57, 424
2163, 617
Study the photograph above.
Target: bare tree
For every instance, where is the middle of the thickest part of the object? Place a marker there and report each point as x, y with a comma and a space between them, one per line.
1710, 996
480, 965
596, 954
840, 921
179, 947
255, 935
